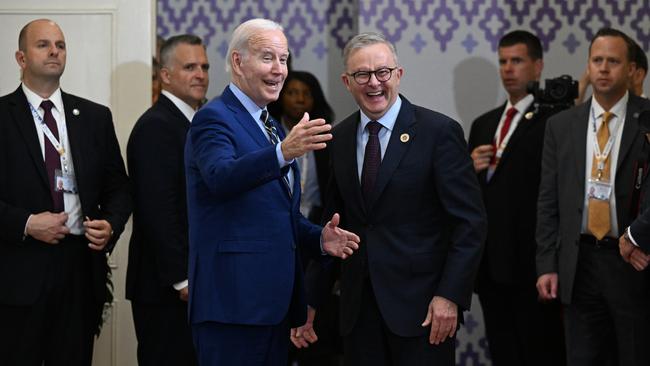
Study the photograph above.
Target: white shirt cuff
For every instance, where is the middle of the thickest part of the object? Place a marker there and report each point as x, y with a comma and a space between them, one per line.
629, 235
181, 285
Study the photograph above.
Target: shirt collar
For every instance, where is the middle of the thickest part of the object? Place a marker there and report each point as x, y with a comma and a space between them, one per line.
185, 108
35, 99
521, 105
387, 121
618, 109
247, 102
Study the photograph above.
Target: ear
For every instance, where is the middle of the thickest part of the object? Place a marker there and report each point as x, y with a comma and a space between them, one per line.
20, 59
346, 80
236, 60
164, 76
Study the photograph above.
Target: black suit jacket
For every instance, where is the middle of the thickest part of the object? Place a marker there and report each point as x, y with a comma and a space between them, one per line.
422, 231
24, 190
510, 198
159, 243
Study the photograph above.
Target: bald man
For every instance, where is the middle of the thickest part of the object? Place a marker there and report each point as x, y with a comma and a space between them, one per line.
64, 201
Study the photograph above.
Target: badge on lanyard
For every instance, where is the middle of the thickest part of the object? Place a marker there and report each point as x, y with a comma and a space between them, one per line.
598, 189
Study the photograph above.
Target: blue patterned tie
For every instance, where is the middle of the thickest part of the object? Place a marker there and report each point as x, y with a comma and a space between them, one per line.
371, 159
274, 138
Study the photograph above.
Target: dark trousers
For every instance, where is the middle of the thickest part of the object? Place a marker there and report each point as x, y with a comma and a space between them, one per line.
608, 320
58, 329
164, 336
371, 343
520, 330
220, 344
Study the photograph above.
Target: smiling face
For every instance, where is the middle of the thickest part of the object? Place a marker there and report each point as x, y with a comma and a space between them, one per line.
42, 53
260, 70
375, 97
187, 75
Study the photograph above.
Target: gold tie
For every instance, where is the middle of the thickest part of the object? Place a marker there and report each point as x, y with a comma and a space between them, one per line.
599, 220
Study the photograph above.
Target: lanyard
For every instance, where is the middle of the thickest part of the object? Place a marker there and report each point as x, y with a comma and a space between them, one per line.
58, 146
501, 145
601, 157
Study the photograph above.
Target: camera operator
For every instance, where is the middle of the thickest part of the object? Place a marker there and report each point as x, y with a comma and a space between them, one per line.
506, 145
588, 178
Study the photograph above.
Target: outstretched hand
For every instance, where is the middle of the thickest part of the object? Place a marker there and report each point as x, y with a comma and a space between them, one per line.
338, 242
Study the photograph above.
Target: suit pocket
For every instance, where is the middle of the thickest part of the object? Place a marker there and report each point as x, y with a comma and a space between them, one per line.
244, 246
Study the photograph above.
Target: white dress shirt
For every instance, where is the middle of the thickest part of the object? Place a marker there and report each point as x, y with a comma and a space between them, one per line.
71, 202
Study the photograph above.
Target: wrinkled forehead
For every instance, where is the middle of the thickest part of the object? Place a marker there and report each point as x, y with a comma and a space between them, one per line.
273, 40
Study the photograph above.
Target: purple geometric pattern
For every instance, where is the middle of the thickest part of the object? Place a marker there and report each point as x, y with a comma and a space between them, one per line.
443, 16
436, 22
469, 12
520, 13
544, 15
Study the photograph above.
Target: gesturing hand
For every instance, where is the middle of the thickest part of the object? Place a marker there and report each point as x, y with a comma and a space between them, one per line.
338, 242
306, 136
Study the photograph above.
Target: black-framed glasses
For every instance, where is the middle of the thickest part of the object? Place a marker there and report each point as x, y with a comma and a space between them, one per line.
382, 75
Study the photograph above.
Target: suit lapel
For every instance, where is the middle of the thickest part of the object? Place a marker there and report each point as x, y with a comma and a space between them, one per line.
176, 114
346, 156
22, 116
579, 138
630, 132
74, 117
405, 124
520, 130
244, 118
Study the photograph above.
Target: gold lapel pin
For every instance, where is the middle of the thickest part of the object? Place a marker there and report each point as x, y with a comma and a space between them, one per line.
75, 112
404, 137
529, 115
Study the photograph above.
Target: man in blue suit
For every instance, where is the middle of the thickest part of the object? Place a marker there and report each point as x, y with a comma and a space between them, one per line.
243, 205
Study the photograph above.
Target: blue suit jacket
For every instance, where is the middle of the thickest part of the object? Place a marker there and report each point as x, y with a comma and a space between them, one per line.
244, 225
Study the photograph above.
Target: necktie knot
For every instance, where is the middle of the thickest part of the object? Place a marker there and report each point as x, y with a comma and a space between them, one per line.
264, 117
511, 112
607, 116
47, 105
374, 127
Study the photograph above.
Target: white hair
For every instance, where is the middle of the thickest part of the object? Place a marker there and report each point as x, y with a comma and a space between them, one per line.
243, 33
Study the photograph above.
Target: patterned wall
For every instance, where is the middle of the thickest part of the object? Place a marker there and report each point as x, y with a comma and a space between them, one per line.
448, 48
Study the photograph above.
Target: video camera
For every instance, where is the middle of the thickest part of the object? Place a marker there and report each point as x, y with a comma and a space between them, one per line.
560, 93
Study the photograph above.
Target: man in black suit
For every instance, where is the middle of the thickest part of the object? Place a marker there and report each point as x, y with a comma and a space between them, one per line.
506, 145
156, 281
403, 179
64, 201
588, 176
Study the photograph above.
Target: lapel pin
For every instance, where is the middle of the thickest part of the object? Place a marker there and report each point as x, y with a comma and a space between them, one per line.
75, 112
636, 115
529, 115
404, 137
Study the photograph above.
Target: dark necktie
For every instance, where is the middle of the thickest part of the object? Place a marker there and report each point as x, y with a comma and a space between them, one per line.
52, 157
371, 159
274, 138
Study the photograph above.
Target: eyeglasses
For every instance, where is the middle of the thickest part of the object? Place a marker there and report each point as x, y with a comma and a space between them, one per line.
382, 75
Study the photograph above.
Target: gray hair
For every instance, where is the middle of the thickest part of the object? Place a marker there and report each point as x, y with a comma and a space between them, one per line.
243, 33
366, 39
169, 46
